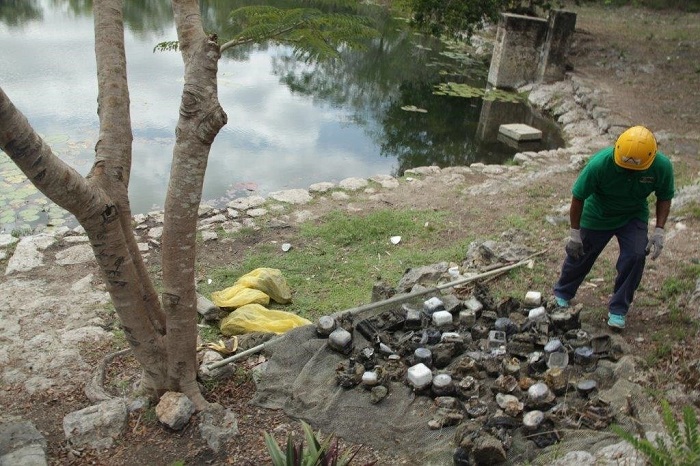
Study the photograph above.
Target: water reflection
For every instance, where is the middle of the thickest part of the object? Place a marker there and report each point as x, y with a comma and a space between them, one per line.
291, 123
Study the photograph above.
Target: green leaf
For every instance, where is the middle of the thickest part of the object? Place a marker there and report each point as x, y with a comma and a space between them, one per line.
278, 458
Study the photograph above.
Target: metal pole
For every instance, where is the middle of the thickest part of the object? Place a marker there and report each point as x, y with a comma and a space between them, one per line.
408, 296
393, 300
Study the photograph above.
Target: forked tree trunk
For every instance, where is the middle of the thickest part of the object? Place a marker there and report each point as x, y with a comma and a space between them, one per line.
163, 338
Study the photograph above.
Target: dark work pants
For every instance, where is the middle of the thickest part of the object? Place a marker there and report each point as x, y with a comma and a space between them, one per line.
632, 239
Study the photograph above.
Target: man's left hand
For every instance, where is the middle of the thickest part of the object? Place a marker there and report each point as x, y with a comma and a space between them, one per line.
655, 243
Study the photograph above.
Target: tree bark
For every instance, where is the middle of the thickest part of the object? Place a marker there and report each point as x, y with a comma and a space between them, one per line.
112, 166
163, 337
99, 201
201, 118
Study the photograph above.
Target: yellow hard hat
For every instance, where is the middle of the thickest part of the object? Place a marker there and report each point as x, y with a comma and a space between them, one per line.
635, 149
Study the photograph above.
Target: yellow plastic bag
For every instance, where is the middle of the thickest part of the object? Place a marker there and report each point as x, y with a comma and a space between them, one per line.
257, 318
269, 281
237, 296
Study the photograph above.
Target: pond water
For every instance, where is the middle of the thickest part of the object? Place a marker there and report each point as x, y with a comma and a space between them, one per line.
291, 123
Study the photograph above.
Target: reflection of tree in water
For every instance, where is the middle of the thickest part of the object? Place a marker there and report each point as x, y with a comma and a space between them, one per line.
17, 13
397, 69
442, 136
144, 18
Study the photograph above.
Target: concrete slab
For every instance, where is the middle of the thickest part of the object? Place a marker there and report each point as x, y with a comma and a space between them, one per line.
521, 146
520, 132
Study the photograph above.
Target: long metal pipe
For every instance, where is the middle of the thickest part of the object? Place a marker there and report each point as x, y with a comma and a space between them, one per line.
393, 300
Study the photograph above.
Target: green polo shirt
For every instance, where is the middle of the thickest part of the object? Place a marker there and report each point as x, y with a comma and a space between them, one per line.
614, 195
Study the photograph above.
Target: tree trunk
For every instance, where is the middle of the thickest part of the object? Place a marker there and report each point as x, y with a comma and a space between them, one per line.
201, 118
163, 338
99, 201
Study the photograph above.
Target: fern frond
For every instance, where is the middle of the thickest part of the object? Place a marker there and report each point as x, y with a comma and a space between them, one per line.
312, 33
167, 46
651, 451
692, 435
672, 426
692, 430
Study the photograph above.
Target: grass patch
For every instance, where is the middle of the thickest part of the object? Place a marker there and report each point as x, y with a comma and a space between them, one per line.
691, 210
333, 265
681, 284
209, 333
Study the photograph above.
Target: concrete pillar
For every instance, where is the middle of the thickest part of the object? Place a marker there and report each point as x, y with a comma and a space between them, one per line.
556, 47
516, 55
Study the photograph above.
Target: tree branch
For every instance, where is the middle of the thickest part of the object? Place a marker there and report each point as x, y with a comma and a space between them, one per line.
113, 151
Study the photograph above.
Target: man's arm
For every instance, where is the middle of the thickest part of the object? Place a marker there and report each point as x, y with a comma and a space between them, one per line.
663, 209
575, 212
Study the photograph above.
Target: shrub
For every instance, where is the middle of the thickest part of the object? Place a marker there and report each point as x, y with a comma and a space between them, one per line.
314, 453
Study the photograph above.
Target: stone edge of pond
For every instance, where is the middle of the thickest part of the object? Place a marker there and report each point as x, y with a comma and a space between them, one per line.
587, 126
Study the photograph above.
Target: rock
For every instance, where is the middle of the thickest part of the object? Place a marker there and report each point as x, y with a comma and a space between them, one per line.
219, 373
428, 273
7, 240
378, 393
256, 212
625, 368
488, 450
292, 196
231, 227
28, 255
83, 285
213, 220
91, 334
31, 455
579, 458
621, 453
353, 184
452, 179
157, 216
96, 426
155, 232
209, 236
493, 170
174, 410
21, 444
385, 181
245, 203
76, 239
321, 187
204, 210
78, 254
424, 171
207, 309
217, 426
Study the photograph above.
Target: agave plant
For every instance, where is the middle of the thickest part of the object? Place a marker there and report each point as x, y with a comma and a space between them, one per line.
680, 448
310, 451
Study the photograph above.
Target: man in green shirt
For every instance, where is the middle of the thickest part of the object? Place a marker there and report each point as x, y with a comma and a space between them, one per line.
610, 199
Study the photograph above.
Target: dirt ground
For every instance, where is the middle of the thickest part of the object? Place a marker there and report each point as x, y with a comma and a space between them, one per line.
646, 64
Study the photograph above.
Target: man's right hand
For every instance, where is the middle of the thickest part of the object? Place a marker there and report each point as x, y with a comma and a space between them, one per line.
574, 247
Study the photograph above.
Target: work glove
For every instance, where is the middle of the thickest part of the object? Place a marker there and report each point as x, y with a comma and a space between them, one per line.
655, 243
574, 247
